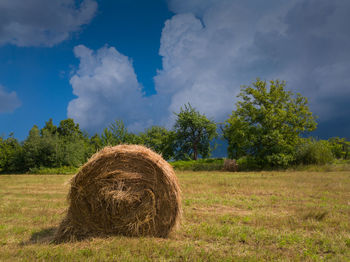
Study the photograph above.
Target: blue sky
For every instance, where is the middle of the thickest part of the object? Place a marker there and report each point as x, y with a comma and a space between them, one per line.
140, 61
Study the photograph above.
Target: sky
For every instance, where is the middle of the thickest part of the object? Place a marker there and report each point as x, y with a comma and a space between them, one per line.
139, 61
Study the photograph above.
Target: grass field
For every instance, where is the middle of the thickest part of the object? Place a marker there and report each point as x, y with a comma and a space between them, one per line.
286, 216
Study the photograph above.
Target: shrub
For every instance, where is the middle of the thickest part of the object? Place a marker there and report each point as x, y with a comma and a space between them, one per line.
248, 163
311, 151
211, 164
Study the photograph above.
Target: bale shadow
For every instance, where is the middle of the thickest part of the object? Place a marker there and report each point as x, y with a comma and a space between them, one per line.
44, 236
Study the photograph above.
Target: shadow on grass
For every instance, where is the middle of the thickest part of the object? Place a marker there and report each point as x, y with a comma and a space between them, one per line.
44, 236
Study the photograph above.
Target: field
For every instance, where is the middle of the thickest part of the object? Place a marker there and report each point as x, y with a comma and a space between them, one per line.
286, 216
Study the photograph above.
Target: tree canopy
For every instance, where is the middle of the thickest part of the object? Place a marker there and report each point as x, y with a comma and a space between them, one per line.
194, 132
267, 123
160, 140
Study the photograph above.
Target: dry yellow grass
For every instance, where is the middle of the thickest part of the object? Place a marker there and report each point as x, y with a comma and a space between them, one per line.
265, 216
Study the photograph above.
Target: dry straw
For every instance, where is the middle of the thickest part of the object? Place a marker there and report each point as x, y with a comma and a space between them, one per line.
127, 190
230, 165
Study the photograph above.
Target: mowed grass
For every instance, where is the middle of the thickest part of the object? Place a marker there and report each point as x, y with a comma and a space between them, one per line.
265, 216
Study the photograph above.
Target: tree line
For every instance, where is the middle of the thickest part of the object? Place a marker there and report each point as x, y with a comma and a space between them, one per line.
267, 129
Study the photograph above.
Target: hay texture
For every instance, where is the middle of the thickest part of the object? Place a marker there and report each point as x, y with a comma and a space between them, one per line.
125, 190
230, 165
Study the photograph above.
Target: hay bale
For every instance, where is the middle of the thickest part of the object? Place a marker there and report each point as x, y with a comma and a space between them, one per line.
230, 165
126, 190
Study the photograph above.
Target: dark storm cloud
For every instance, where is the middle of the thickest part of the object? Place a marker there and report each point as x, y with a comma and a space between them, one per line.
313, 53
42, 22
228, 43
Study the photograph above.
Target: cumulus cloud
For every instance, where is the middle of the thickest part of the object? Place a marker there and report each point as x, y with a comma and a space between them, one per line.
42, 22
8, 101
212, 47
107, 89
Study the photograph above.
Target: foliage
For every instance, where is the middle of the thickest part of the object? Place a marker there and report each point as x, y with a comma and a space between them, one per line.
10, 154
248, 163
49, 128
96, 143
210, 164
117, 133
311, 151
340, 147
267, 124
48, 147
264, 132
68, 128
194, 132
32, 149
160, 140
73, 145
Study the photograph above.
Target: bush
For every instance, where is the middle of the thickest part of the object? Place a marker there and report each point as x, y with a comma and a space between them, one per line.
248, 163
211, 164
313, 152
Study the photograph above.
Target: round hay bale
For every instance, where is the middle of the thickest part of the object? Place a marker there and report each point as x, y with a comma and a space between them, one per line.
126, 190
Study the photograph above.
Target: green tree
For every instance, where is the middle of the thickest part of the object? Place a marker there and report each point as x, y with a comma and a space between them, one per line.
75, 145
194, 132
49, 148
267, 123
340, 147
31, 148
68, 128
40, 150
11, 158
160, 140
117, 133
49, 128
310, 151
107, 138
96, 142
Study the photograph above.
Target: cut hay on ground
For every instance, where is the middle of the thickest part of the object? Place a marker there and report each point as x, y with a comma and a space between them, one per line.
127, 190
230, 165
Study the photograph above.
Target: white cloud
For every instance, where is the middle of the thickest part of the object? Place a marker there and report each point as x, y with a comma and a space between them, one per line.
210, 48
107, 89
42, 22
8, 101
204, 50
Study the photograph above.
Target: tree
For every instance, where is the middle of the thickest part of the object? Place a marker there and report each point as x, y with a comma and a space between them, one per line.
68, 128
49, 128
194, 132
117, 133
32, 148
96, 143
314, 152
11, 158
267, 123
74, 145
160, 140
340, 147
